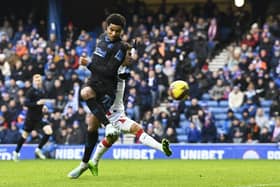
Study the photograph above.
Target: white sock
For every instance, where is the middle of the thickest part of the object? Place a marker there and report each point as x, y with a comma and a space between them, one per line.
100, 150
83, 165
150, 141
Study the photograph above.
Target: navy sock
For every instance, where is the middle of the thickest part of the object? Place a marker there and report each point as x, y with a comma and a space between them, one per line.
43, 141
19, 144
91, 141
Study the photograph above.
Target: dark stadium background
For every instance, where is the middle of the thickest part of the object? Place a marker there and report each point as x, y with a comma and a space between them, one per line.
87, 13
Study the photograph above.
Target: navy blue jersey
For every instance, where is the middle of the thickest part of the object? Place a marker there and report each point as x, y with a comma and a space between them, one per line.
32, 96
106, 60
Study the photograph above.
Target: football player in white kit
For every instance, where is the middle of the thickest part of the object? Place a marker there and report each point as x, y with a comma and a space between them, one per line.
122, 123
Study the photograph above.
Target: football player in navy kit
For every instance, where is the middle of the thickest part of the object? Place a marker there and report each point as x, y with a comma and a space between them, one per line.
35, 101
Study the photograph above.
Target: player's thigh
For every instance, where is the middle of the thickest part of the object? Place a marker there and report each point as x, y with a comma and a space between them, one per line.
29, 125
128, 125
45, 126
92, 122
112, 139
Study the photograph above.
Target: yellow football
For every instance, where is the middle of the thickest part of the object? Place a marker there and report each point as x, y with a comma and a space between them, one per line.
179, 90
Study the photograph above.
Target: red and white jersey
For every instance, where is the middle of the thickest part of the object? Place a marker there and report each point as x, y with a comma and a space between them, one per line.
117, 109
116, 113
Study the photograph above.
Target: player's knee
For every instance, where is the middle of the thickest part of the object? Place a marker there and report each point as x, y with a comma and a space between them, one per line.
25, 134
135, 128
87, 93
105, 142
110, 140
84, 94
92, 128
138, 131
48, 130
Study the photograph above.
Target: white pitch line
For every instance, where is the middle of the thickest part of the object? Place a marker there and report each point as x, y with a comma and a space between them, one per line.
259, 185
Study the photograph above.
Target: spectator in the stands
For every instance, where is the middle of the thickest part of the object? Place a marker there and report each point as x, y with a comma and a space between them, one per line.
276, 130
272, 91
261, 118
195, 92
153, 84
76, 134
174, 116
11, 135
217, 92
253, 131
145, 94
158, 130
249, 40
251, 93
162, 80
250, 106
169, 71
193, 133
265, 135
171, 135
227, 123
274, 109
236, 98
192, 109
208, 132
61, 133
5, 66
237, 132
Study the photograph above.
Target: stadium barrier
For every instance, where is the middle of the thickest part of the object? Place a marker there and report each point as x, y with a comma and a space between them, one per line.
135, 151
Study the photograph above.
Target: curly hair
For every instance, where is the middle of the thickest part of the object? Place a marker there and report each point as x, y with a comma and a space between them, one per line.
116, 19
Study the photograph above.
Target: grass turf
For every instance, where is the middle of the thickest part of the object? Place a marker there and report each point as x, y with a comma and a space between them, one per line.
144, 173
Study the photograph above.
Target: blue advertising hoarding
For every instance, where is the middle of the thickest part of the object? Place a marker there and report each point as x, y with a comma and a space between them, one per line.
27, 152
137, 151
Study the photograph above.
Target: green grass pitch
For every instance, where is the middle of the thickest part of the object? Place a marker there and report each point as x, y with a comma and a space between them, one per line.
144, 173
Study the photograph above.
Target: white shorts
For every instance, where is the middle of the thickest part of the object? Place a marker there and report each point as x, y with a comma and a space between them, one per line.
121, 120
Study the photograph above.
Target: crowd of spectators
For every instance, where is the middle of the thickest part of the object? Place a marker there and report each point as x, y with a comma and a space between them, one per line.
173, 45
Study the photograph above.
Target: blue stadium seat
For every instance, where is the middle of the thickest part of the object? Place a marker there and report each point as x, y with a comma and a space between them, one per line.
188, 103
182, 117
266, 103
266, 110
206, 96
220, 116
212, 103
215, 110
20, 84
180, 131
182, 138
219, 123
238, 115
223, 103
184, 124
202, 103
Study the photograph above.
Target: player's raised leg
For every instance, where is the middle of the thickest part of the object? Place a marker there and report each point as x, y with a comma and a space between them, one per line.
127, 125
146, 139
